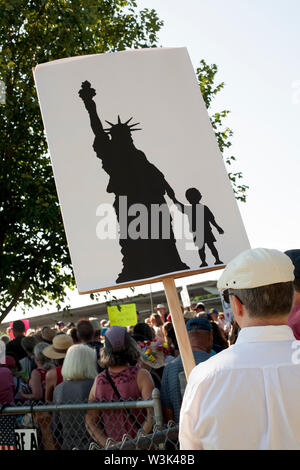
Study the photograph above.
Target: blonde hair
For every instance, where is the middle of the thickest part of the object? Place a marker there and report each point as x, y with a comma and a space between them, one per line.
80, 363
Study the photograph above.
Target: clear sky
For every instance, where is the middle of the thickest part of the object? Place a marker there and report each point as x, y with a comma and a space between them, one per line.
255, 44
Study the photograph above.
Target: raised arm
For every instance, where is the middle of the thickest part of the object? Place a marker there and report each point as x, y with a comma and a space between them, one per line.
87, 93
170, 192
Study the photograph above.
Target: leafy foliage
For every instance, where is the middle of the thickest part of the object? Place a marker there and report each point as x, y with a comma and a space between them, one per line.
35, 266
206, 78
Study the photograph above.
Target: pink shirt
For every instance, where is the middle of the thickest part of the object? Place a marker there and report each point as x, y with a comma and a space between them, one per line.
7, 386
118, 422
294, 321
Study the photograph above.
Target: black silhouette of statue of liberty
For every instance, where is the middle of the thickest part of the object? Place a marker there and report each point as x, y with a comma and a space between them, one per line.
133, 176
200, 220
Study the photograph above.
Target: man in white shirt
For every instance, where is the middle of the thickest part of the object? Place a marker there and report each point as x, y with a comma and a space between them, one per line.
247, 396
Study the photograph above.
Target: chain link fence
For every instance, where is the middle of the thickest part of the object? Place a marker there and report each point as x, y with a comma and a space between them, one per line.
130, 425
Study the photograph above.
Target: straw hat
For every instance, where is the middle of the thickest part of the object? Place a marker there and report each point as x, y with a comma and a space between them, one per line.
48, 334
153, 353
59, 347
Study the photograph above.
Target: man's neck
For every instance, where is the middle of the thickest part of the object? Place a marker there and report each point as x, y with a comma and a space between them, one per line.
196, 347
276, 321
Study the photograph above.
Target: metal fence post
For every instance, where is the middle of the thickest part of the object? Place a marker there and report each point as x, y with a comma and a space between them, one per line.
158, 416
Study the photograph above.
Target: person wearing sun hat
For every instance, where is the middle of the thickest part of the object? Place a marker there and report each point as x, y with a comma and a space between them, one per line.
163, 311
56, 351
153, 354
253, 386
37, 381
48, 334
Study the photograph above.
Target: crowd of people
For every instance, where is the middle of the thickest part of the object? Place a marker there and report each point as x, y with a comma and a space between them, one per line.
245, 359
69, 363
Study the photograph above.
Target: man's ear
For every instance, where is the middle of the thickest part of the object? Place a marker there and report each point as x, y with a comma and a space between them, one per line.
237, 308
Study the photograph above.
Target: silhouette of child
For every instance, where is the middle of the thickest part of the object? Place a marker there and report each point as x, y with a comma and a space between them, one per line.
200, 220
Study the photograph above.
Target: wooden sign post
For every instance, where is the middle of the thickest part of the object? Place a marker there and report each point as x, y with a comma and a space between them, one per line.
144, 193
179, 326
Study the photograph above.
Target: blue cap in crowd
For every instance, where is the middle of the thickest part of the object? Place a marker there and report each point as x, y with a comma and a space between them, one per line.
198, 324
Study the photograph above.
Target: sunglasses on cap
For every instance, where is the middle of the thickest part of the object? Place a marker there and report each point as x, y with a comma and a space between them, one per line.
226, 296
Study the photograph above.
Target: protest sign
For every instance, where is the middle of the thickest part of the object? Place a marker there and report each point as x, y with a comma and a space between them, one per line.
122, 315
185, 298
11, 333
26, 439
142, 186
141, 182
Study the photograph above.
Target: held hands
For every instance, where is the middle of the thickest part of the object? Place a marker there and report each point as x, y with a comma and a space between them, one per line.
171, 194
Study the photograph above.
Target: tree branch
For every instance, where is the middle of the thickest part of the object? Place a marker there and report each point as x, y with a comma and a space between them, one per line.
15, 299
24, 283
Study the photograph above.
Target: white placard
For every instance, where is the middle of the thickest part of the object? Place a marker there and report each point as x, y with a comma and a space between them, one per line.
228, 314
175, 150
185, 298
26, 439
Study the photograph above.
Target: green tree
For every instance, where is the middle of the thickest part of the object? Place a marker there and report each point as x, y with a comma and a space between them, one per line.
35, 266
206, 79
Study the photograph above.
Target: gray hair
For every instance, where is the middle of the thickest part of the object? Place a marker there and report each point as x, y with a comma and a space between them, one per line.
80, 363
38, 354
267, 301
28, 343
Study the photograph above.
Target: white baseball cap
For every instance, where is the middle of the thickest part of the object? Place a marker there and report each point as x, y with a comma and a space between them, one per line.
161, 306
255, 268
95, 323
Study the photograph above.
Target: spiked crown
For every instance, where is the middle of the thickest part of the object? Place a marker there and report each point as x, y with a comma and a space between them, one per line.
122, 126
